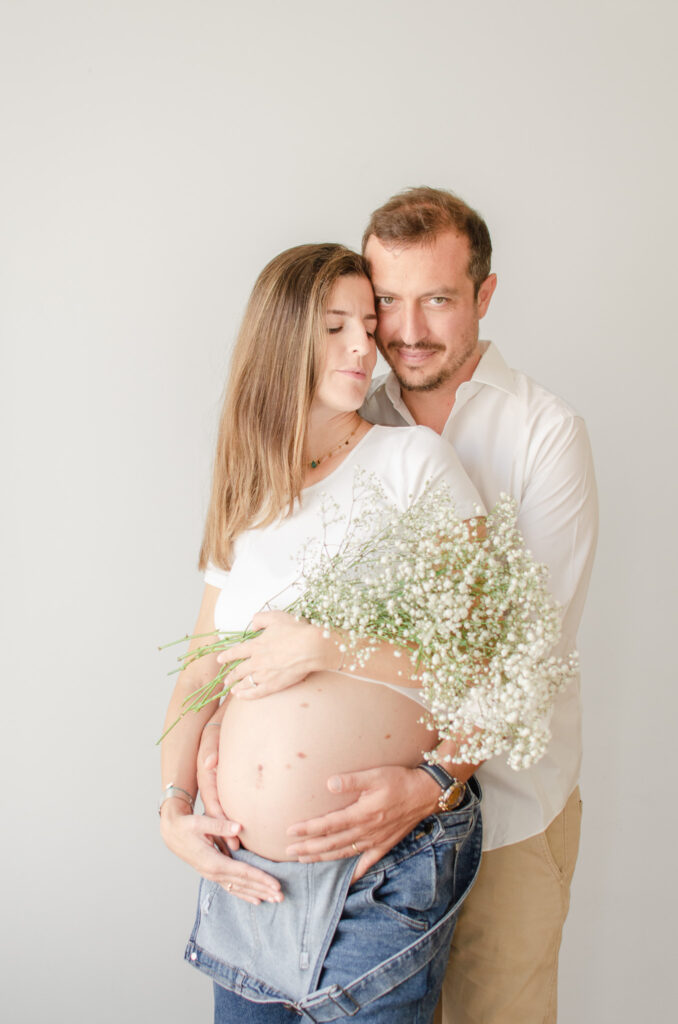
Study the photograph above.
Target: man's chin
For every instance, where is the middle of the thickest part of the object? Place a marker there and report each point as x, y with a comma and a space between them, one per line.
431, 383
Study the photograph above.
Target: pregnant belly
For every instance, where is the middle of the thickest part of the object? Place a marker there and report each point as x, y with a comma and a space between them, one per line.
276, 754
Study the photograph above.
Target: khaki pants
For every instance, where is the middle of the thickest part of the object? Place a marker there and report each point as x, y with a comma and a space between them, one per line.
504, 960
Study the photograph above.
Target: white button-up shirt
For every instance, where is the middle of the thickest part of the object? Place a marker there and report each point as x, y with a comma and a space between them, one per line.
514, 436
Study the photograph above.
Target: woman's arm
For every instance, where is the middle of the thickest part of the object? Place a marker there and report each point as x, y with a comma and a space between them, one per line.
192, 837
288, 649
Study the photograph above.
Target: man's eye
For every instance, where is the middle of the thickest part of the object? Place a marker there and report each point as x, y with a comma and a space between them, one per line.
385, 300
438, 300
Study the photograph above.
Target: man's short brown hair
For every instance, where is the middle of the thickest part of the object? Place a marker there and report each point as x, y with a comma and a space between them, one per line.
419, 214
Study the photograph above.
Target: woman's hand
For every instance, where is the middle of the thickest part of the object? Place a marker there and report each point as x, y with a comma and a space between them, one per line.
206, 768
283, 654
192, 837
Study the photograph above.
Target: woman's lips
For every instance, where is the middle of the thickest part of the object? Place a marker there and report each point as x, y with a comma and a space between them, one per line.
355, 374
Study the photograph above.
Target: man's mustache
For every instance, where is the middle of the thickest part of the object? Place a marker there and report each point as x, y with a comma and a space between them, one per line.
420, 346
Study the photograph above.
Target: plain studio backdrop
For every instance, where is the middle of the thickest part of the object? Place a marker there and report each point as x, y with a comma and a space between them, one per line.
154, 156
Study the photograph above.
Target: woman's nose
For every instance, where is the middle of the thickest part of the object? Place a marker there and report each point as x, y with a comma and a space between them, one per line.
361, 340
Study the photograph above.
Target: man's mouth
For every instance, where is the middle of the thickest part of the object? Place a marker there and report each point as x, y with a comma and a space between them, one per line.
413, 356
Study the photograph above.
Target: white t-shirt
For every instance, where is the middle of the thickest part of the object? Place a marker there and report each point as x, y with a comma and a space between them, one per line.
514, 436
265, 573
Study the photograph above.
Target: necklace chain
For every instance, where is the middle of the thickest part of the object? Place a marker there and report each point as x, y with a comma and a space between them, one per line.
316, 462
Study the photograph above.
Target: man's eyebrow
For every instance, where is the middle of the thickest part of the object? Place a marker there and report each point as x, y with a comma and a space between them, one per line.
442, 290
343, 312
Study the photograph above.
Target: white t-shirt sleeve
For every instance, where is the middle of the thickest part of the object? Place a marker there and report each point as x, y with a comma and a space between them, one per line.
216, 577
428, 460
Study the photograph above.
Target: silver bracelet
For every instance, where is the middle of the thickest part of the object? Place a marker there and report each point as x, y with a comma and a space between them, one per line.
170, 791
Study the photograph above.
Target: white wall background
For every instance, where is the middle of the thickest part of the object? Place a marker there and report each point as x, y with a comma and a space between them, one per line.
155, 154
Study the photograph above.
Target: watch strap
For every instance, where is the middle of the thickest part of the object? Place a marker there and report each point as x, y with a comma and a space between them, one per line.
452, 789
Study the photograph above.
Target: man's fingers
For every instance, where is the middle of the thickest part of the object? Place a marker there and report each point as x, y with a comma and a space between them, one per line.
334, 844
352, 782
329, 824
367, 861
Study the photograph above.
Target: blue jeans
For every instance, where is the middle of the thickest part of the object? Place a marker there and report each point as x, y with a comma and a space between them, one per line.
383, 953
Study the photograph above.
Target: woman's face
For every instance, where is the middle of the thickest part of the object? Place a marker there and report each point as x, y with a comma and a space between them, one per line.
350, 352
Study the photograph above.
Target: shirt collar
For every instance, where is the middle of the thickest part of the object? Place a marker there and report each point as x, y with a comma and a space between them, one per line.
394, 395
493, 371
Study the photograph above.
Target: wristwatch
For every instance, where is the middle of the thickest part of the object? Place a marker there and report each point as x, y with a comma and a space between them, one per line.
452, 789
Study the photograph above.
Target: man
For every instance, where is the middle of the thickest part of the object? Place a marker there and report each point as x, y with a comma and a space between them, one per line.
429, 257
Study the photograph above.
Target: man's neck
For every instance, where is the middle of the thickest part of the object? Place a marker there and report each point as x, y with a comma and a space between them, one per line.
432, 408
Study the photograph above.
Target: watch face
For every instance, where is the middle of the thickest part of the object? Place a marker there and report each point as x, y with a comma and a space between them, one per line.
451, 797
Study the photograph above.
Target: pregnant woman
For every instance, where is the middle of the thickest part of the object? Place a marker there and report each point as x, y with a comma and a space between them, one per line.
284, 940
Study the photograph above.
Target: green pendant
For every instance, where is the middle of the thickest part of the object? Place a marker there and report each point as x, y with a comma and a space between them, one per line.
313, 464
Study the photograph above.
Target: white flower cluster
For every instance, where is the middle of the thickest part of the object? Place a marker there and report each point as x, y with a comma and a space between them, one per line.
469, 605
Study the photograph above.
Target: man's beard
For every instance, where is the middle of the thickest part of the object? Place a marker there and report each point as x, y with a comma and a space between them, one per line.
445, 373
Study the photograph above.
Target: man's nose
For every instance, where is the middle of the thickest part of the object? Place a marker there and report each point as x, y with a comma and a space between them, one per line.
412, 324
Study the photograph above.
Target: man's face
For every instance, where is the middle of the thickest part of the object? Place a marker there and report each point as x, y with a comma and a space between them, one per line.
428, 313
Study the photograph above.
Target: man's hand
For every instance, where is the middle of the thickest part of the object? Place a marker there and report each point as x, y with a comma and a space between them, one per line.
192, 837
390, 801
282, 655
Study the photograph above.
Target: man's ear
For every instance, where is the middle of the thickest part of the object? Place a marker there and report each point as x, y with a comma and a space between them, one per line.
485, 293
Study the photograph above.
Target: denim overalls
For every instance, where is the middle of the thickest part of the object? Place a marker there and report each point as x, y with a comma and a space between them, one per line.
376, 950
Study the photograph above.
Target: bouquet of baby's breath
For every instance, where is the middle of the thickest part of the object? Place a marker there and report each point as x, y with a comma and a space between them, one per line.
464, 601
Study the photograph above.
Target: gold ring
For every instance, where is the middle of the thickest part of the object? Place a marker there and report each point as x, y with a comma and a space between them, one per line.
355, 847
229, 886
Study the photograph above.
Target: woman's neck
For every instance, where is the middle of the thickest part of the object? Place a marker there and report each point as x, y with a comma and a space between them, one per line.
329, 439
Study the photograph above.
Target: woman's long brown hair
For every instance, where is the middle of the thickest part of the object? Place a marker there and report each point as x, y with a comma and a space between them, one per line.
259, 461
